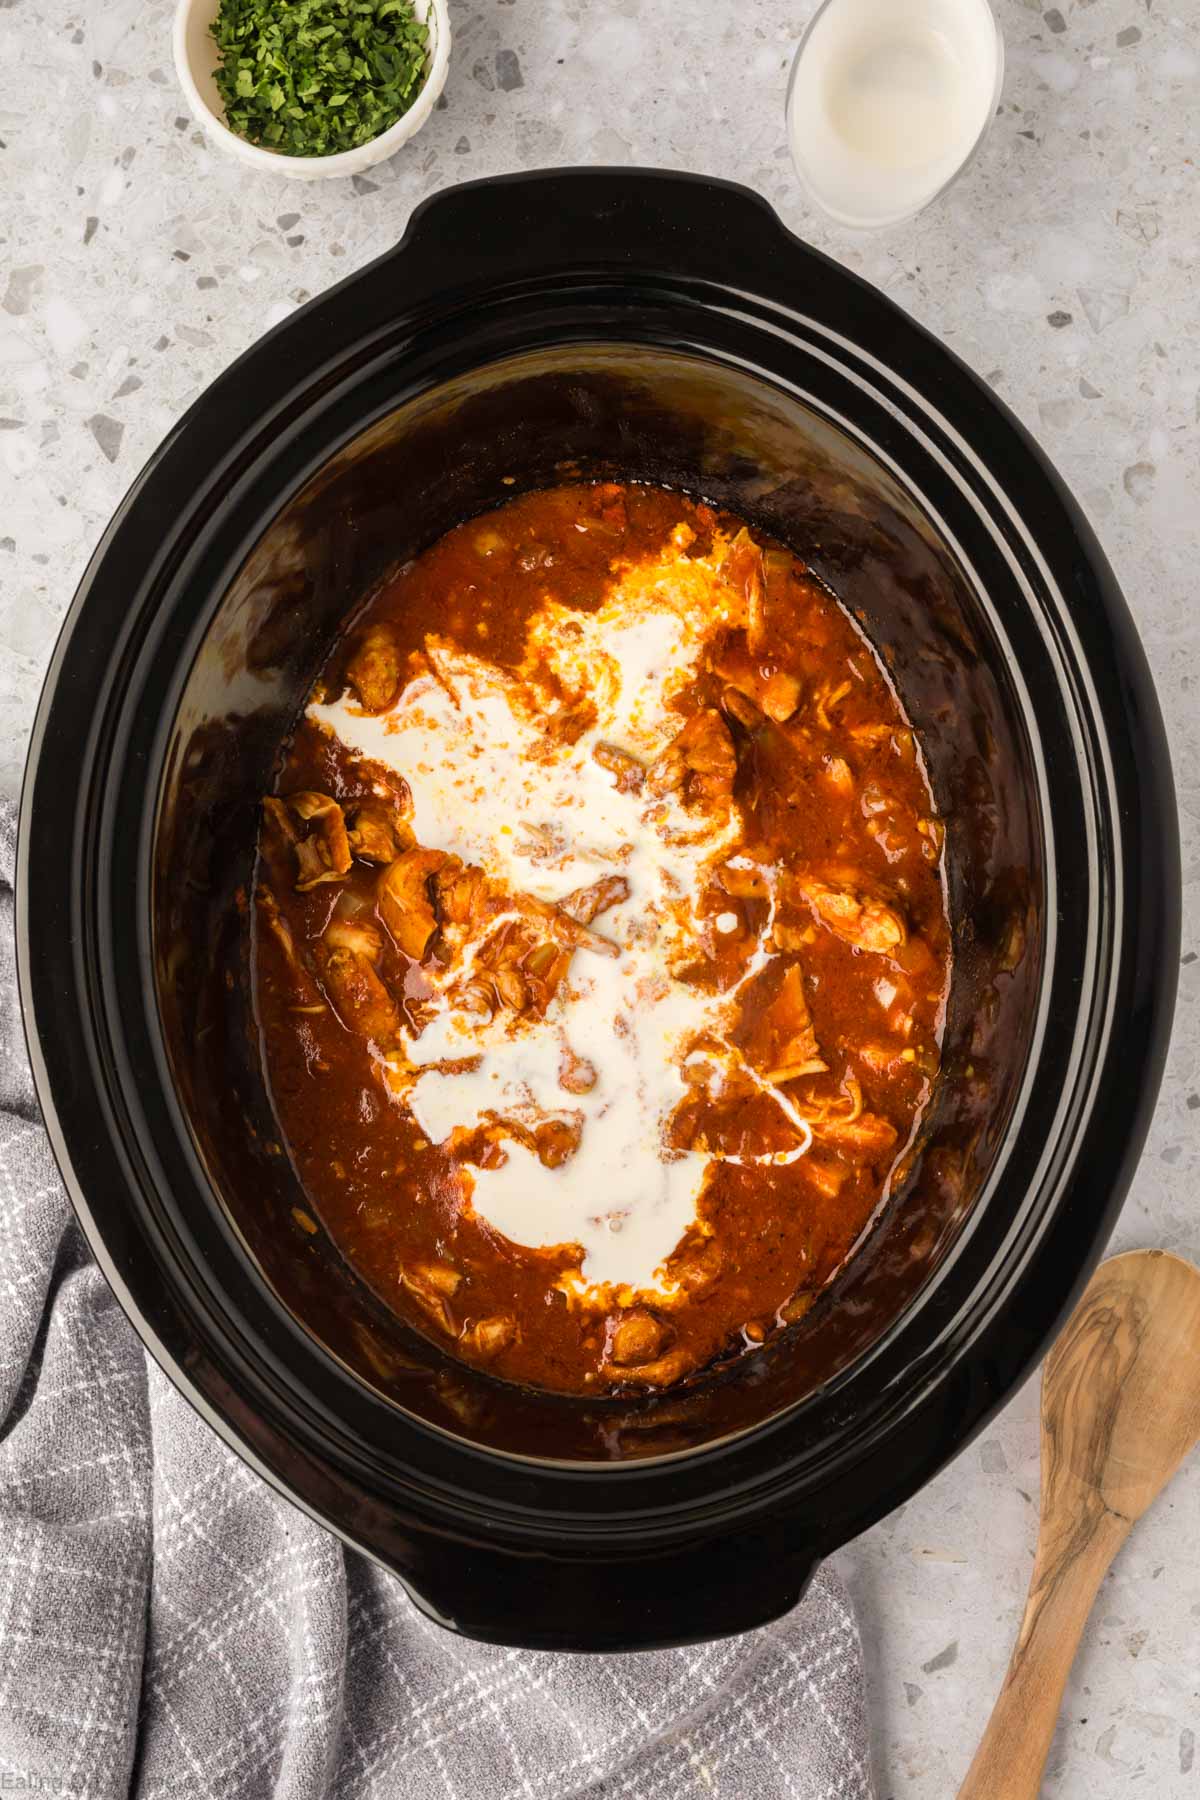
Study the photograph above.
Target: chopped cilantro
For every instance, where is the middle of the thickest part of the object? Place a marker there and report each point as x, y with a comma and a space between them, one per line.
312, 77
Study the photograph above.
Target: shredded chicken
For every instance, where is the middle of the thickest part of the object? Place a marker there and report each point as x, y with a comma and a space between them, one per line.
346, 959
402, 897
271, 917
792, 937
477, 997
514, 948
879, 734
753, 696
280, 820
700, 1267
576, 1075
659, 1373
541, 843
512, 987
608, 500
323, 853
441, 1278
460, 895
828, 1178
869, 1135
487, 1337
743, 570
825, 699
586, 902
784, 1038
881, 1059
467, 904
524, 970
858, 919
837, 1109
569, 932
375, 835
741, 707
838, 771
552, 1139
432, 1285
375, 670
699, 763
638, 1337
544, 924
780, 696
629, 772
466, 1406
557, 1140
358, 934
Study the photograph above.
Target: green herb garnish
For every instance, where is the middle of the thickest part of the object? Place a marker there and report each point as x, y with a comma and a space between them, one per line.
312, 77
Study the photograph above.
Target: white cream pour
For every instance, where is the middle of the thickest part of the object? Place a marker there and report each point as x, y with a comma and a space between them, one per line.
542, 816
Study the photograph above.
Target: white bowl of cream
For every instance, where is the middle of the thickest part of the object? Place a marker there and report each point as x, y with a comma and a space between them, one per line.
888, 102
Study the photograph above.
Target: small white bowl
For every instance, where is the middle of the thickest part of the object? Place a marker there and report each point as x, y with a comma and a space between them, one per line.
941, 60
196, 61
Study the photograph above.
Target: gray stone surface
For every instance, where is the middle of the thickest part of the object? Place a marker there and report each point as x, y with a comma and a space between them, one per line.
135, 263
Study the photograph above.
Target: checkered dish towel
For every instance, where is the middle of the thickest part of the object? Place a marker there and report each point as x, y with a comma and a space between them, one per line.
169, 1626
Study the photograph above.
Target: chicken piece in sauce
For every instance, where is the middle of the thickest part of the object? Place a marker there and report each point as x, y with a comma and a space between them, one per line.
376, 834
699, 763
347, 961
322, 852
628, 773
375, 670
858, 919
405, 903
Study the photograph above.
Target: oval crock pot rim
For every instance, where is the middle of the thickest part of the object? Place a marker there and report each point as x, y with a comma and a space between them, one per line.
1150, 730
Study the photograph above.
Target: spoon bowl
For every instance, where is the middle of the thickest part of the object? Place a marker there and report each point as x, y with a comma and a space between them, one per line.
1120, 1412
1121, 1389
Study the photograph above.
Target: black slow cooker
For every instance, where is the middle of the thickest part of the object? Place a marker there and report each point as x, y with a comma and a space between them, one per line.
527, 330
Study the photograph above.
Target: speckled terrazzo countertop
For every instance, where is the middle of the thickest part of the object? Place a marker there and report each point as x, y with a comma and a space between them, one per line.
135, 263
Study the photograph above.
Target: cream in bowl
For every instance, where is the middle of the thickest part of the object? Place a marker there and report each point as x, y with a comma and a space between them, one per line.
889, 101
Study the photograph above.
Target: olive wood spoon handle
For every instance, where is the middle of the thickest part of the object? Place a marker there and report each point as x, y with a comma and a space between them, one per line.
1120, 1411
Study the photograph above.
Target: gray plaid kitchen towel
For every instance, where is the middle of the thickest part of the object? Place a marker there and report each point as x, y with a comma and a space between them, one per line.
170, 1627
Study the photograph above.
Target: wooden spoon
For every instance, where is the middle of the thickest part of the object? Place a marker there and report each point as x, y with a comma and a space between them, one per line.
1120, 1411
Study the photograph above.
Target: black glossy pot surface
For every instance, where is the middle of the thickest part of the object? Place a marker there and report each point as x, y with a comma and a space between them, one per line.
662, 327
